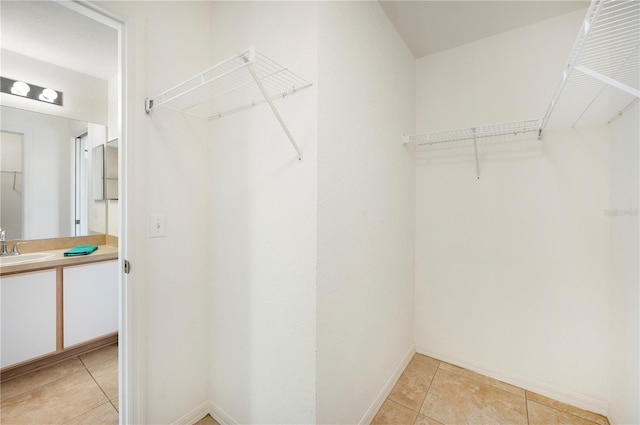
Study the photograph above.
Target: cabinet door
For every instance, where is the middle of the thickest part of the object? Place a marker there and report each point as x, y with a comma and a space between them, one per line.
28, 316
90, 301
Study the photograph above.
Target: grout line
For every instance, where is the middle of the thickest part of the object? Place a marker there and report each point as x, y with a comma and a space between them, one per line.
114, 406
94, 380
526, 406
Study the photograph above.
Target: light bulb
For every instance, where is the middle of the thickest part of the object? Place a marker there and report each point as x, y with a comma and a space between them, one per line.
48, 95
20, 88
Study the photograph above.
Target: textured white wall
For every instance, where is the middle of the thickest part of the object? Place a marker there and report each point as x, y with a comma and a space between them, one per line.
263, 227
166, 159
365, 209
624, 404
512, 269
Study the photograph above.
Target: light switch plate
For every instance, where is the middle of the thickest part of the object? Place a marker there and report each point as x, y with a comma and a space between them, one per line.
157, 226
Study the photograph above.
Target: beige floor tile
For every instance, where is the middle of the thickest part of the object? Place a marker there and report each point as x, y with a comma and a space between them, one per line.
584, 414
38, 378
423, 420
106, 375
207, 420
94, 358
392, 413
53, 403
421, 361
540, 414
481, 378
104, 414
411, 388
454, 398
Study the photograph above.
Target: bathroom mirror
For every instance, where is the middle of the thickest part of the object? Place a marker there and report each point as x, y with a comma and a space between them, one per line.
50, 190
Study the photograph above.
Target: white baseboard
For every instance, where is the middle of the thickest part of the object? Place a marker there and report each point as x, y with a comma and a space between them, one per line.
565, 396
386, 390
194, 415
219, 415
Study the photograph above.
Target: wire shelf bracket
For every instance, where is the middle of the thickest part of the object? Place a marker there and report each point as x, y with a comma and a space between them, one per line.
242, 81
605, 55
506, 129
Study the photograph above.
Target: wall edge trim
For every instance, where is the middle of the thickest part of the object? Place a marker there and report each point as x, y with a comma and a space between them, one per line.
220, 415
194, 415
386, 389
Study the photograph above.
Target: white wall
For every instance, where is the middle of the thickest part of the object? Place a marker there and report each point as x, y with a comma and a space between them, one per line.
97, 209
84, 97
365, 210
624, 403
113, 133
263, 227
512, 270
166, 169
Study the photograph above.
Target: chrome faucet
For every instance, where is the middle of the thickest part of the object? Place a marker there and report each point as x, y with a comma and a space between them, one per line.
3, 245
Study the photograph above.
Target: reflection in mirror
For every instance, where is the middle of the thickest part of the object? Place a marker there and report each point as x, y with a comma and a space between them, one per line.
53, 196
98, 173
111, 170
11, 183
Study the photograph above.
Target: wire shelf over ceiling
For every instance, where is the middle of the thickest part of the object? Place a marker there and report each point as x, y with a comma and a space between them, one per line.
508, 129
239, 82
602, 75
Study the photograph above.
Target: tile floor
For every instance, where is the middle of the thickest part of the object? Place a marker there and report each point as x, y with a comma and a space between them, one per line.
430, 392
82, 390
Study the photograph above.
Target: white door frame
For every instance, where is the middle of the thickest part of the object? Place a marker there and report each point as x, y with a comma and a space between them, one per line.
130, 350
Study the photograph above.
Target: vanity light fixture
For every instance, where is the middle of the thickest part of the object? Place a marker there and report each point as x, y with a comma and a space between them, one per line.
31, 91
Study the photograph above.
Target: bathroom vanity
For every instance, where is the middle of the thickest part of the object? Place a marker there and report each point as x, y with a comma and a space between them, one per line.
54, 307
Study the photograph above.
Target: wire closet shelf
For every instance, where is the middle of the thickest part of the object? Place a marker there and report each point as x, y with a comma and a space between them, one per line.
240, 82
507, 129
472, 133
602, 73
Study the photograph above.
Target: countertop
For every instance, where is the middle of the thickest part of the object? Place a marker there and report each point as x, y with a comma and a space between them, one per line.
103, 253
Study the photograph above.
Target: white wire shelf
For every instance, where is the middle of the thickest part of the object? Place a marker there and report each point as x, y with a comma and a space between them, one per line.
492, 130
239, 82
509, 130
602, 73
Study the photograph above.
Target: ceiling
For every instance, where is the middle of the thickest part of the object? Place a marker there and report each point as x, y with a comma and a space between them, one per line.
55, 34
431, 26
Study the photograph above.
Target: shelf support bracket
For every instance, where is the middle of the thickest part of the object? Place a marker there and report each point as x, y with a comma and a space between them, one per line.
275, 111
608, 80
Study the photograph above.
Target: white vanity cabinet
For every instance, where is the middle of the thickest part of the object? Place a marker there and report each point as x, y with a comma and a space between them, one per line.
90, 303
28, 316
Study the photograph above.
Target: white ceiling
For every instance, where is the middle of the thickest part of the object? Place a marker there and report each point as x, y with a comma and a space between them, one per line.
53, 33
430, 26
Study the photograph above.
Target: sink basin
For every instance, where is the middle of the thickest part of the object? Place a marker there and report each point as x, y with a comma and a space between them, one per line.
25, 258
